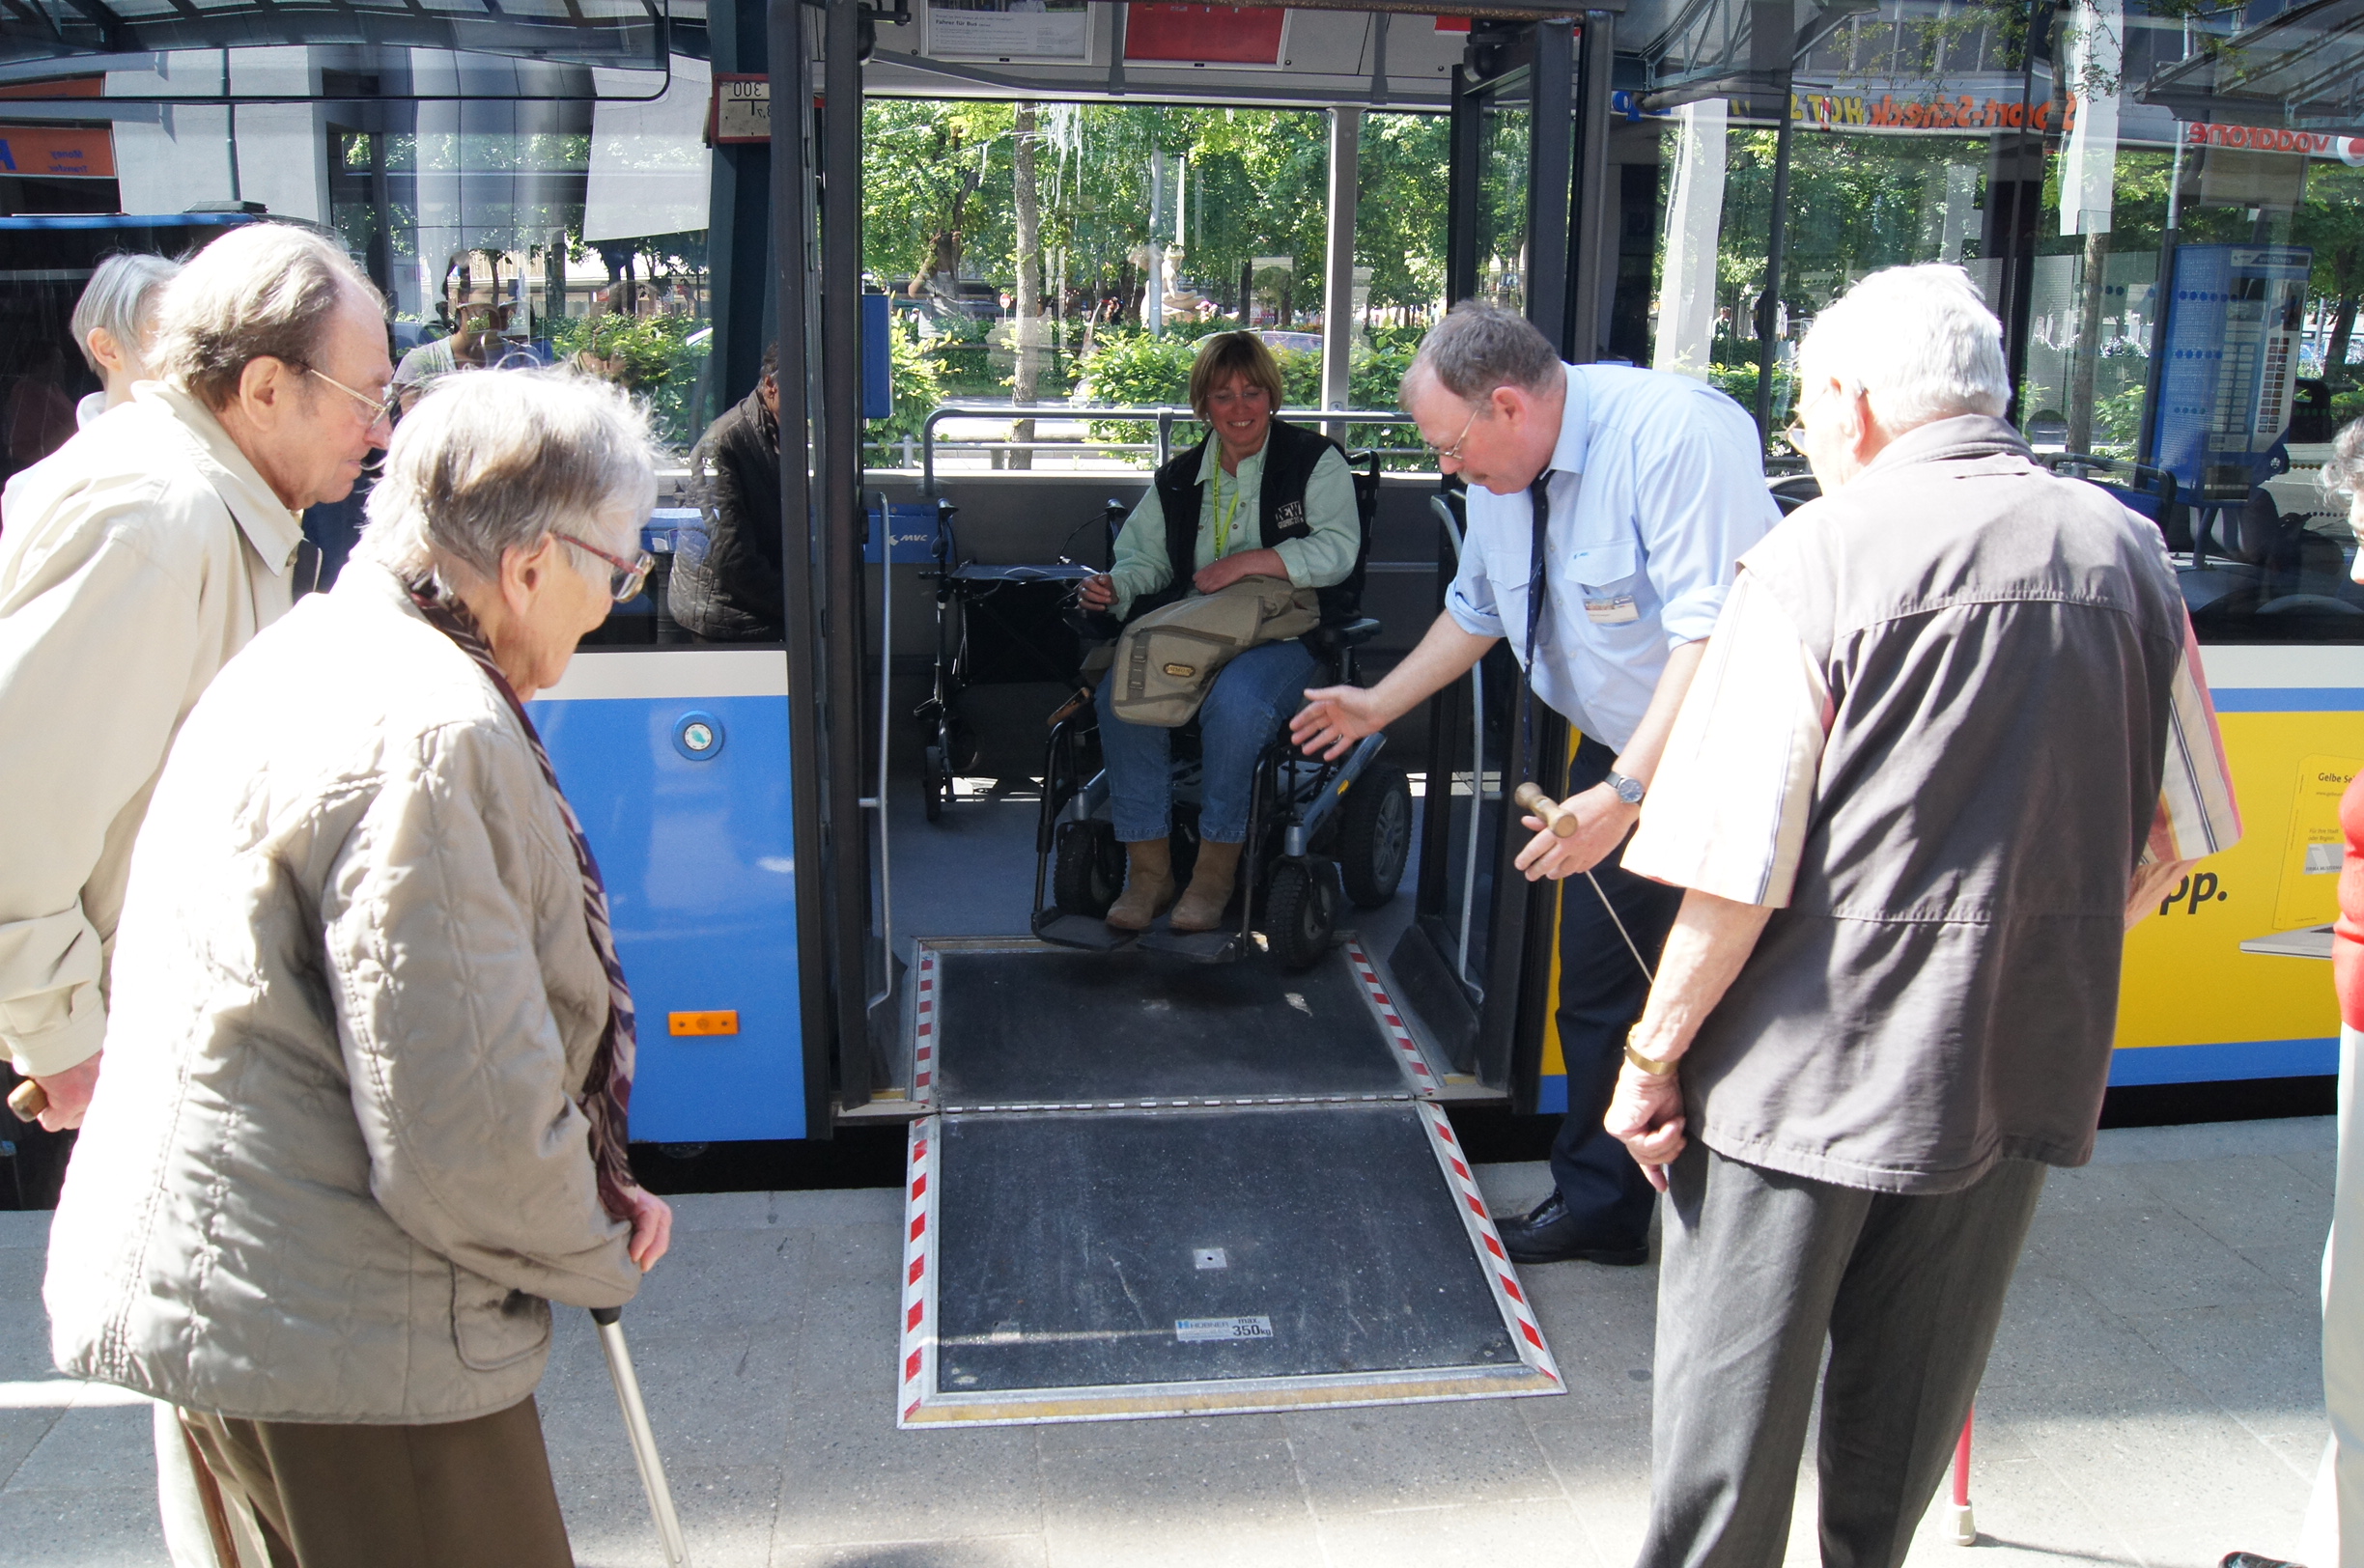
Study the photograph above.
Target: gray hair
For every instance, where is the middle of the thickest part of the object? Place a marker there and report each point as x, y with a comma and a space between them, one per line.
1918, 341
2343, 471
490, 461
121, 297
264, 291
1479, 347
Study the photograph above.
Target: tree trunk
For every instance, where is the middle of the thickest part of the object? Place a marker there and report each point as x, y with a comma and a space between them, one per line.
2088, 358
2343, 327
1029, 335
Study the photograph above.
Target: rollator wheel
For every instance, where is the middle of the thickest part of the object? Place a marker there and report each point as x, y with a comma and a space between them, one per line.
1090, 869
1375, 835
1300, 913
934, 782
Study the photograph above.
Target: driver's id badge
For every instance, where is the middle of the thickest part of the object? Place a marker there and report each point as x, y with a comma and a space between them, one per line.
1611, 609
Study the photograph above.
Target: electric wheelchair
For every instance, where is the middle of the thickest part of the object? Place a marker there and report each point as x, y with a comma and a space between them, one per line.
1317, 831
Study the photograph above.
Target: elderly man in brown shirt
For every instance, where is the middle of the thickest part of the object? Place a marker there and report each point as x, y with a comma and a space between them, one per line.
1950, 741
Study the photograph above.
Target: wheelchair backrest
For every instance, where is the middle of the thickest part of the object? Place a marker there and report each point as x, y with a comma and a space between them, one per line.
1343, 600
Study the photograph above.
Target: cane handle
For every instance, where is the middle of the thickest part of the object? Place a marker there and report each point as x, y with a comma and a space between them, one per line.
1531, 797
28, 1100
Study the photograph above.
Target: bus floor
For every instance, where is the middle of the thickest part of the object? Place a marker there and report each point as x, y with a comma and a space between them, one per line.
2154, 1397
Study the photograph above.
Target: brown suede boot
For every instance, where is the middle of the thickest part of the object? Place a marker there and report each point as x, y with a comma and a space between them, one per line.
1149, 885
1210, 887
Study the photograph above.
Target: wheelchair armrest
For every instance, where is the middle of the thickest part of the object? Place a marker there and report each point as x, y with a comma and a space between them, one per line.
1354, 633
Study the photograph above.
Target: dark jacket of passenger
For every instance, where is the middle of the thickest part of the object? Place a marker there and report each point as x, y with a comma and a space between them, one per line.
729, 589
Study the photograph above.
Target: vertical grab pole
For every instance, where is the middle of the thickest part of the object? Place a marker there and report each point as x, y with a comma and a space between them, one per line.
1965, 1528
643, 1440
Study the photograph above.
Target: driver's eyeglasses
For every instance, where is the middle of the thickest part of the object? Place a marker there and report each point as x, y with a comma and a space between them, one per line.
628, 576
380, 408
1452, 453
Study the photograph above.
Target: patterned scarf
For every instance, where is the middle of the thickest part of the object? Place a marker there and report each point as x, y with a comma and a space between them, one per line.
608, 1088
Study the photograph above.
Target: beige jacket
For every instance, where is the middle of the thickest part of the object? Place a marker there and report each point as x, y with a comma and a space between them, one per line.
334, 1165
133, 562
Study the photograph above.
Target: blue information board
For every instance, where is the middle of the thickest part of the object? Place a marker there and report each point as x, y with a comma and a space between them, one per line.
2235, 315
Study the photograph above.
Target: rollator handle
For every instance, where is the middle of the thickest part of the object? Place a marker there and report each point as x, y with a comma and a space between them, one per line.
28, 1100
1560, 822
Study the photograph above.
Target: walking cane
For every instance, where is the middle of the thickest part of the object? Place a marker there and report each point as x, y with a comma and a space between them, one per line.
1965, 1528
643, 1441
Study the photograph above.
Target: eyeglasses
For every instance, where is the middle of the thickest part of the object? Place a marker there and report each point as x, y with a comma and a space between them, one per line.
1452, 453
627, 576
380, 408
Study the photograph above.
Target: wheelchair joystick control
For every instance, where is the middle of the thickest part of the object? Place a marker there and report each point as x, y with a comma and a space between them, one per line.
1530, 799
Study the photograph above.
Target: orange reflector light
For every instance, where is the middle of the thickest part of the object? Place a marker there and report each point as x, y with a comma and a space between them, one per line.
723, 1023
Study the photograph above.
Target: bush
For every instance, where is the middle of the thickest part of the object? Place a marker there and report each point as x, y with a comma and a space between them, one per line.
660, 364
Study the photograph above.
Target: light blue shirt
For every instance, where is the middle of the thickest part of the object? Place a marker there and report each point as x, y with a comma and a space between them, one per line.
1657, 487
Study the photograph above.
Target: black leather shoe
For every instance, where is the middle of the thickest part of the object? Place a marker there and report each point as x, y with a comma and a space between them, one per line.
1553, 1235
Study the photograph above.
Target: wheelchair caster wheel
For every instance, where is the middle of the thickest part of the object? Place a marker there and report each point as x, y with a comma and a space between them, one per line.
935, 786
1090, 869
1301, 913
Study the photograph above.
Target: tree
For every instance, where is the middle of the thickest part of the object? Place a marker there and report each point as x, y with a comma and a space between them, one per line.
1027, 205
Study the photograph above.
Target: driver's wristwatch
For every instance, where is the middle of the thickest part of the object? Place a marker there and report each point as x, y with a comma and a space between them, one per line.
1628, 790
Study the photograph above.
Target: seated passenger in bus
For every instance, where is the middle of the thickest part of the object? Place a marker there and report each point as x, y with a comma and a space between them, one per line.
112, 323
1258, 497
480, 339
730, 590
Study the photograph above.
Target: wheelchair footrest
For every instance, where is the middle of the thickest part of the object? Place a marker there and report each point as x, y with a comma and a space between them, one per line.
1198, 946
1080, 931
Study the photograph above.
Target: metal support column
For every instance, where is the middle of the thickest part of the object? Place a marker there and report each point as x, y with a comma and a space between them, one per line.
1463, 175
841, 540
1337, 294
740, 222
1550, 167
791, 214
1592, 273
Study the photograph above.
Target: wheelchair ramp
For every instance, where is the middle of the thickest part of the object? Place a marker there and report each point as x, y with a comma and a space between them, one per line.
1149, 1187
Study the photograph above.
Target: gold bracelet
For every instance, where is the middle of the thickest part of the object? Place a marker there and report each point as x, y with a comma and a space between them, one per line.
1649, 1064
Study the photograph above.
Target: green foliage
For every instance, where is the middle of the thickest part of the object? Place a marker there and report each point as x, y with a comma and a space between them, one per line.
918, 380
661, 364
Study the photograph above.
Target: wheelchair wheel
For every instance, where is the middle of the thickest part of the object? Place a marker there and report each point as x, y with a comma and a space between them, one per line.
935, 784
1300, 913
1090, 869
1375, 835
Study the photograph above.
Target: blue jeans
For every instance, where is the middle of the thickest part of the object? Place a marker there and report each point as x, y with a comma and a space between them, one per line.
1251, 696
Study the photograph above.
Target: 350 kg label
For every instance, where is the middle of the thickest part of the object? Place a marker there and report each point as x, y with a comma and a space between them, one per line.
1206, 1331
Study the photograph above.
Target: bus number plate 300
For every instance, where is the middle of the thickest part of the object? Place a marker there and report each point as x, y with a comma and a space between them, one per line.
1210, 1330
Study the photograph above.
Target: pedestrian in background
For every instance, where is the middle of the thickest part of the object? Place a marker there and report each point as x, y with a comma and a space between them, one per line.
113, 324
1951, 740
364, 1115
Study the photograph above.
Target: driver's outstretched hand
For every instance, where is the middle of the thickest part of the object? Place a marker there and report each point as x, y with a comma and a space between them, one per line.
1334, 718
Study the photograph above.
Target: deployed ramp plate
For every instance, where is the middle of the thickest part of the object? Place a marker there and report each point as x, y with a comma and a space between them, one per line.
1073, 1266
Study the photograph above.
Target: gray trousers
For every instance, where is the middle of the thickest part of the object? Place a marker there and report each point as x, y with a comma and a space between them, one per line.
1760, 1269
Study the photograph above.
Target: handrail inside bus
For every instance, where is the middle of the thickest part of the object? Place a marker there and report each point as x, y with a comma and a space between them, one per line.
1167, 416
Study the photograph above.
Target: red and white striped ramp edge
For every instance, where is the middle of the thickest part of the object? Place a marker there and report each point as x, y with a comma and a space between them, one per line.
1407, 1049
919, 1270
1499, 1272
923, 1028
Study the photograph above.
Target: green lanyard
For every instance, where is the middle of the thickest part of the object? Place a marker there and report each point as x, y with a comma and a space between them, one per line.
1225, 514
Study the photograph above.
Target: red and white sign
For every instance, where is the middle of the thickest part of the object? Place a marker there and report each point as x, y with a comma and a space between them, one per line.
2348, 150
1205, 34
57, 152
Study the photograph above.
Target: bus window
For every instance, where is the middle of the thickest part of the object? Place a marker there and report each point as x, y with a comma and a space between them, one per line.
2169, 240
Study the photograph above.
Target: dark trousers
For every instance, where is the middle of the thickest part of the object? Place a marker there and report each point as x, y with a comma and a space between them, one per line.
1601, 993
474, 1493
1758, 1268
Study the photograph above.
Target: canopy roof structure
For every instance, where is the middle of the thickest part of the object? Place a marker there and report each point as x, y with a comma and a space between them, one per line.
2303, 68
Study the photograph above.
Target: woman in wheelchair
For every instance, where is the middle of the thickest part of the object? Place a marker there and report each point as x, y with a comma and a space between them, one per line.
1258, 497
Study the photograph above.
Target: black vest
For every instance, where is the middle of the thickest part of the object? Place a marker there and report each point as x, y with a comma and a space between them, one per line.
1290, 452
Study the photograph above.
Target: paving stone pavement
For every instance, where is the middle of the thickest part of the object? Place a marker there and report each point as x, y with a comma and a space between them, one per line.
2154, 1397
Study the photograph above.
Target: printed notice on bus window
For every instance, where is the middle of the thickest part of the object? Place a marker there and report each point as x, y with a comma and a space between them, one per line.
1048, 31
1212, 1330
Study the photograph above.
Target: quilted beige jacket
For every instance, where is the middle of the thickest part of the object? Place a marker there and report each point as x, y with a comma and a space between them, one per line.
334, 1171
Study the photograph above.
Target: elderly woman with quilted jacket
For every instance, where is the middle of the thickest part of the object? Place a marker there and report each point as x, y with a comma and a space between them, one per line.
370, 1049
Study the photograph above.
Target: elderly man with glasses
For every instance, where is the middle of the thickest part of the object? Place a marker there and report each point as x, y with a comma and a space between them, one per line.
1625, 496
1951, 739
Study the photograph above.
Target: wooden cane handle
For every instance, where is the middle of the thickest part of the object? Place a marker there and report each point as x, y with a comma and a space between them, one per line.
1531, 797
28, 1100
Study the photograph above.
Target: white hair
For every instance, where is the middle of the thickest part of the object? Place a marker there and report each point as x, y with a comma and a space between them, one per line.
1918, 341
121, 298
493, 460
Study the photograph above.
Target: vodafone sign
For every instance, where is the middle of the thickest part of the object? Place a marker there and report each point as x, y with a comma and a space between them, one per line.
2348, 150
